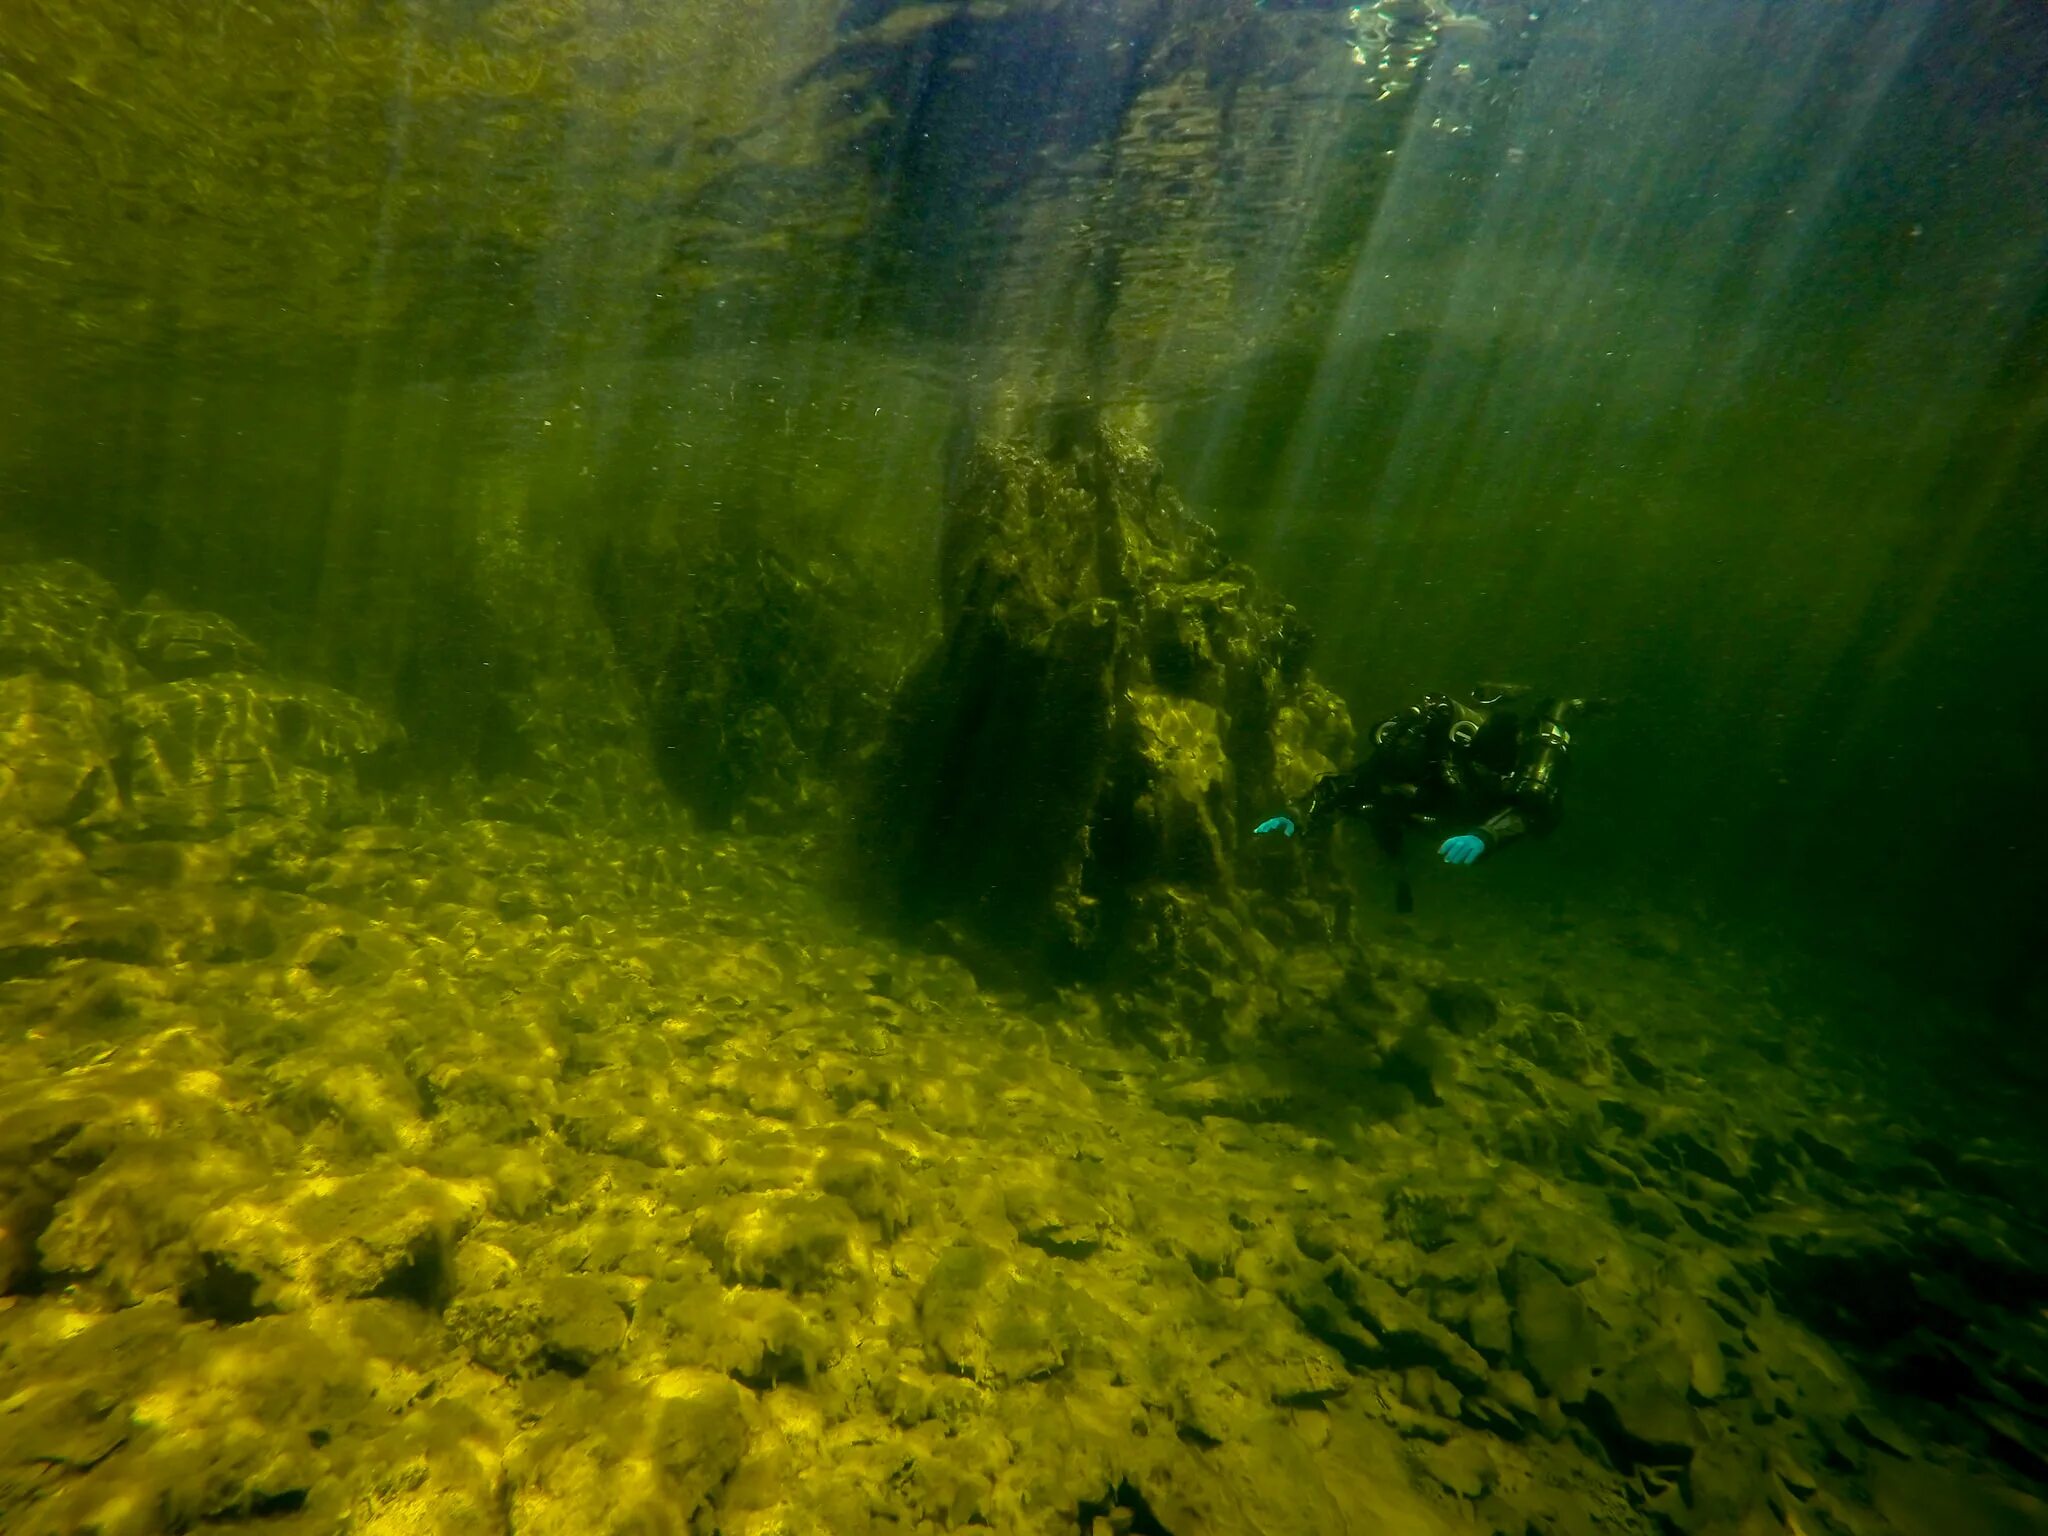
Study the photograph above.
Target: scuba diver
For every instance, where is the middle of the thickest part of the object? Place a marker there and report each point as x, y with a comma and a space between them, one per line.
1476, 766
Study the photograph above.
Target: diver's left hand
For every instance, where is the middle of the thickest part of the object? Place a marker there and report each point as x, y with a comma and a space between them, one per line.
1465, 848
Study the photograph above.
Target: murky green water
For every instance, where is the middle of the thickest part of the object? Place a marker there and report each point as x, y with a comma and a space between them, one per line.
641, 644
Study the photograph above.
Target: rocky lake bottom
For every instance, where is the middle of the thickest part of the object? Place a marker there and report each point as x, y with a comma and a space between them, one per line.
449, 1173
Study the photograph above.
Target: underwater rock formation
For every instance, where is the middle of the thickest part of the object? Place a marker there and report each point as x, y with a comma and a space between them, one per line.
58, 620
757, 673
175, 643
195, 757
145, 724
1074, 772
509, 680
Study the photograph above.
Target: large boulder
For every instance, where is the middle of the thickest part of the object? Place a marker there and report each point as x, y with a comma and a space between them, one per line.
201, 756
177, 642
1074, 772
89, 743
59, 620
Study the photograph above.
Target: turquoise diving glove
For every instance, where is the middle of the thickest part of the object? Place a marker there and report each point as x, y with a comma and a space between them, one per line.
1274, 824
1465, 848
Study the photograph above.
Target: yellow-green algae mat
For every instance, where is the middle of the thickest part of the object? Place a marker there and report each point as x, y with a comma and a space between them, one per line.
459, 1177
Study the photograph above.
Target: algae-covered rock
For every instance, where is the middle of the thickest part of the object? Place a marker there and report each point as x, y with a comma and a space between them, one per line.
983, 1316
1074, 772
1691, 1326
201, 756
1558, 1042
579, 1323
1463, 1465
128, 1154
866, 1174
793, 1242
438, 1471
1921, 1498
627, 1458
1407, 1335
757, 673
1640, 1411
519, 1328
388, 1233
58, 618
1554, 1335
55, 763
137, 1421
1463, 1005
175, 642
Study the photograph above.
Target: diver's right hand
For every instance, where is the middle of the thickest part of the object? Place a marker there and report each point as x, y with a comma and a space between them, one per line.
1274, 824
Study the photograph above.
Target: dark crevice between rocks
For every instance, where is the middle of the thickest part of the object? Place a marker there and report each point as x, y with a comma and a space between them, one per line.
1593, 1165
2014, 1452
1307, 1398
1972, 1175
30, 962
1932, 1374
567, 1362
21, 1264
223, 1294
1126, 1500
422, 1278
1412, 1064
1624, 1117
777, 1367
1684, 1150
1356, 1349
1464, 1006
1635, 1063
1061, 1248
25, 962
1999, 1281
1713, 1231
1824, 1157
286, 1501
261, 1506
31, 1279
429, 1097
1627, 1447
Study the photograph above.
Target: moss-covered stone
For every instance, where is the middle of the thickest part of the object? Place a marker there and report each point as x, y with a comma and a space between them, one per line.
56, 767
199, 757
987, 1318
612, 1457
59, 620
791, 1242
1099, 649
177, 643
758, 674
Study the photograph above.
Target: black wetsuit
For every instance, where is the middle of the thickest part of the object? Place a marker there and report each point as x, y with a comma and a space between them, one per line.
1455, 766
